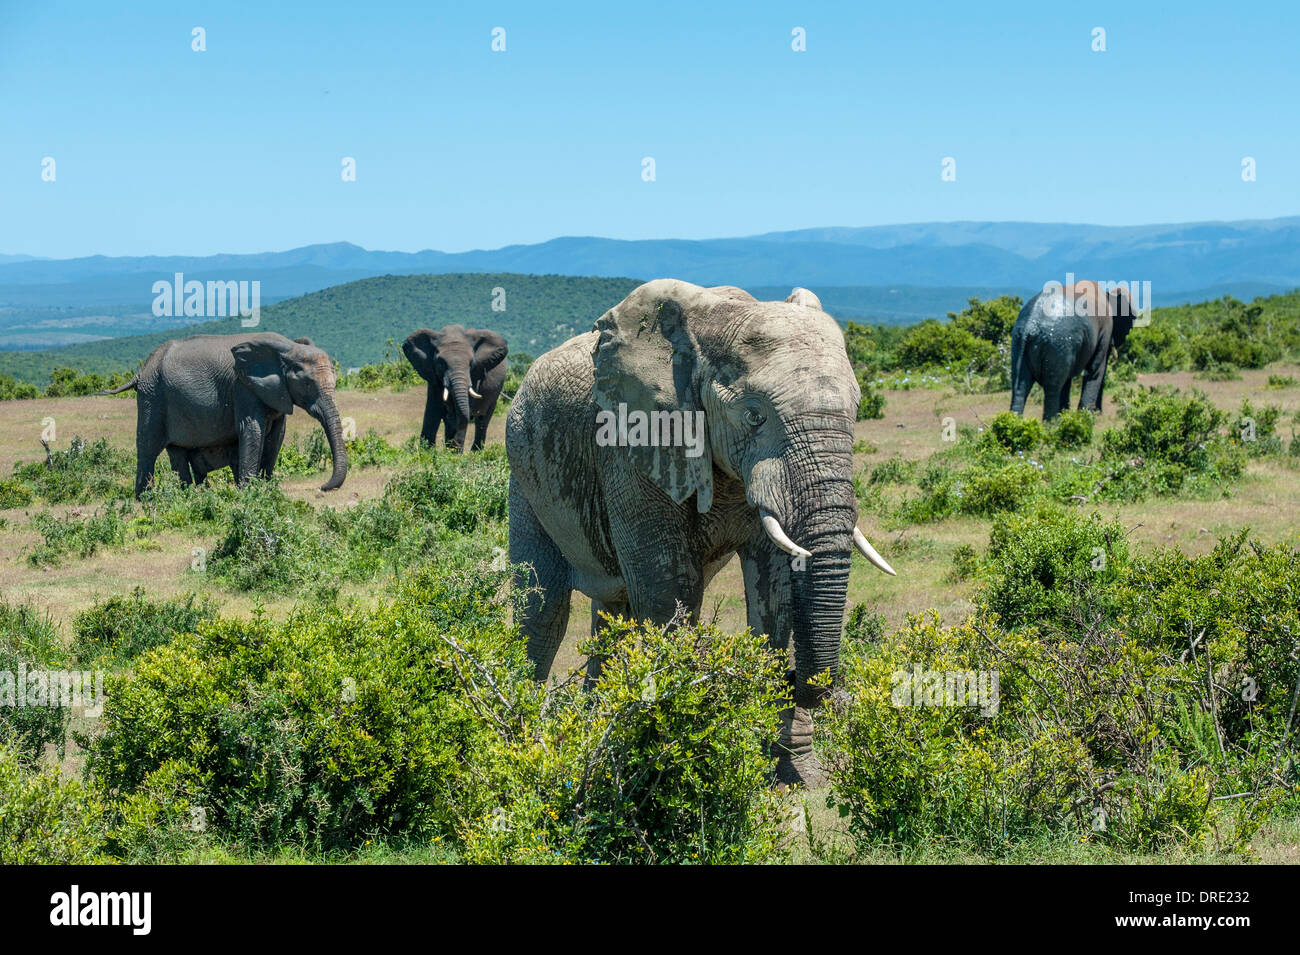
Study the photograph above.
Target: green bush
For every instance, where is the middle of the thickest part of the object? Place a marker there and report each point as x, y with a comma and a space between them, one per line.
1155, 347
43, 819
1072, 429
1013, 433
666, 759
28, 641
269, 544
932, 344
14, 494
114, 631
81, 474
322, 731
72, 535
1050, 564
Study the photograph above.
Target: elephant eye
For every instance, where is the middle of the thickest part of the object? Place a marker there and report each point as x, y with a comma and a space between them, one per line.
754, 418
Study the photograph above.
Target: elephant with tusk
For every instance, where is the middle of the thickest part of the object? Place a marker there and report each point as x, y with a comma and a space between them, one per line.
466, 370
749, 452
217, 400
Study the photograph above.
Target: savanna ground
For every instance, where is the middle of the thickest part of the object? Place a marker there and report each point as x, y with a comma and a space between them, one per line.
1266, 498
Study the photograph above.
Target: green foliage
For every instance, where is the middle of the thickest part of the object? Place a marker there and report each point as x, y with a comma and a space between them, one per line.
115, 630
1072, 429
1155, 347
29, 642
75, 536
666, 759
1013, 432
932, 344
990, 320
419, 722
268, 542
1050, 563
1168, 439
82, 473
15, 494
45, 820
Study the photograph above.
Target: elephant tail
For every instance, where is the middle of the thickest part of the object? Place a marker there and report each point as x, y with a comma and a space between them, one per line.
133, 383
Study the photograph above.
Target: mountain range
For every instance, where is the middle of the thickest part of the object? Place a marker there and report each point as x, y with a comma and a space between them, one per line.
893, 273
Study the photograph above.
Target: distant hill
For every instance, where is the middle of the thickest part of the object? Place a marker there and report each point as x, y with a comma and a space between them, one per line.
899, 262
354, 322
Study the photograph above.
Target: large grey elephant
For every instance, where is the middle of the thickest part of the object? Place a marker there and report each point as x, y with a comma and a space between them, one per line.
213, 393
749, 451
1065, 332
465, 369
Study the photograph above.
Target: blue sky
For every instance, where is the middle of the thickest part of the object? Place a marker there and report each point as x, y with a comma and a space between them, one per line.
162, 150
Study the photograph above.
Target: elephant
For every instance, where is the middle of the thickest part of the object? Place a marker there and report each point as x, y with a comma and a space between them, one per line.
209, 392
465, 365
1062, 332
755, 404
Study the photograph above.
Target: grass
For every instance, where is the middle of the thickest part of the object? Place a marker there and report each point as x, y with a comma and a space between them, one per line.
1266, 498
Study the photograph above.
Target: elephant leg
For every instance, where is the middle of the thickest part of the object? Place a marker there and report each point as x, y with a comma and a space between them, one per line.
768, 598
544, 583
480, 430
596, 662
457, 442
434, 412
180, 459
1064, 402
1094, 377
1022, 381
1052, 400
149, 443
271, 446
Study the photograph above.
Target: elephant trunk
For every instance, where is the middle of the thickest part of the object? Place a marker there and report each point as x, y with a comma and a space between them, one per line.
820, 594
326, 412
459, 386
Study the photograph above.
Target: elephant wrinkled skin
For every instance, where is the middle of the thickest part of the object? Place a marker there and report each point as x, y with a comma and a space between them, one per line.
642, 528
1061, 335
218, 400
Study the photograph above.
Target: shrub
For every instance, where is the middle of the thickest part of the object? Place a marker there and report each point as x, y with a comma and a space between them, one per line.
1282, 381
45, 820
323, 730
71, 535
1046, 564
893, 470
269, 543
1072, 429
1155, 347
992, 491
666, 759
14, 494
1069, 742
116, 630
28, 641
1013, 433
82, 473
1255, 431
933, 344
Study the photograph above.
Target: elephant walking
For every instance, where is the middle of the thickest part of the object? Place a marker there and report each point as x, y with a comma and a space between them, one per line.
1061, 334
750, 407
466, 370
213, 400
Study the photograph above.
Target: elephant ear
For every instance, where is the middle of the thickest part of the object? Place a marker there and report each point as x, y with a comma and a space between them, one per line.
646, 360
258, 366
489, 348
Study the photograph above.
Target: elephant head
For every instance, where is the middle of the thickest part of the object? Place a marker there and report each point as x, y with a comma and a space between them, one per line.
1122, 314
281, 374
772, 385
456, 358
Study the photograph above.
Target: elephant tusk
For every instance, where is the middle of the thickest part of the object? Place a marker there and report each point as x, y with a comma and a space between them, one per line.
774, 530
869, 552
444, 394
474, 394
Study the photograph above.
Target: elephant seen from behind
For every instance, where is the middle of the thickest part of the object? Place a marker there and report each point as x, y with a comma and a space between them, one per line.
466, 370
1063, 332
